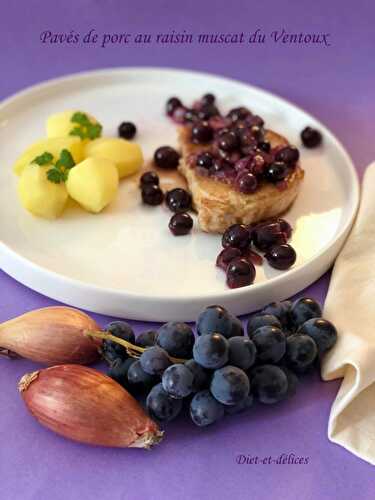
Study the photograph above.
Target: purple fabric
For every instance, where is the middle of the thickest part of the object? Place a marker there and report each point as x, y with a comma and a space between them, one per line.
336, 84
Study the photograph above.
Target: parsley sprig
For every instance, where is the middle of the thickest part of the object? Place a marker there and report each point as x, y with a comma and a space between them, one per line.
45, 159
85, 129
60, 169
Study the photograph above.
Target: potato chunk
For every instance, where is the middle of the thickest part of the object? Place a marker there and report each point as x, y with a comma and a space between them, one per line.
93, 183
40, 196
126, 155
54, 146
60, 124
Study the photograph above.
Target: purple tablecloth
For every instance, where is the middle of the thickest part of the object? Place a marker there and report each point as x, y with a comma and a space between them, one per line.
336, 83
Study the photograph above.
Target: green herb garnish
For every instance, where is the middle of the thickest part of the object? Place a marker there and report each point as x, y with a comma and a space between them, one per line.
65, 160
59, 173
60, 170
56, 176
85, 129
43, 159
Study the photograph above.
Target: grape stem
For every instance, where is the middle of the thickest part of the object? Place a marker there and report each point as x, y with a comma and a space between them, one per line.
134, 351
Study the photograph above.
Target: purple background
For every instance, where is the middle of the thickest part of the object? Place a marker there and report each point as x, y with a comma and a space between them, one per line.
334, 83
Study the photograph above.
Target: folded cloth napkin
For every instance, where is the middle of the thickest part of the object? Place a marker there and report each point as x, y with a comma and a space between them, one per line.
350, 305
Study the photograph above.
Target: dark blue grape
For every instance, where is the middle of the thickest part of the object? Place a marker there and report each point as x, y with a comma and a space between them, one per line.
216, 319
311, 138
127, 130
281, 257
178, 200
269, 384
177, 381
240, 272
237, 114
243, 405
242, 352
323, 332
281, 310
237, 236
119, 370
111, 354
204, 409
139, 379
166, 157
267, 235
161, 406
237, 328
202, 133
122, 330
259, 320
208, 99
303, 310
211, 351
301, 352
292, 381
226, 256
288, 154
276, 172
230, 385
154, 360
176, 338
147, 338
149, 177
270, 343
181, 224
152, 195
172, 104
201, 376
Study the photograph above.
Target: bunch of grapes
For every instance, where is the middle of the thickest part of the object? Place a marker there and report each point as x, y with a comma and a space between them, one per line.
222, 370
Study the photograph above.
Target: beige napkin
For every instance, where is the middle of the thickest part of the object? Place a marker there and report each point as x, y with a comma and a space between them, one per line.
350, 305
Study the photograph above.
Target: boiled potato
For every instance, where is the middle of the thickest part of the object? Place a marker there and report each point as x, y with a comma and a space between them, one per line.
60, 124
93, 183
40, 196
54, 146
126, 155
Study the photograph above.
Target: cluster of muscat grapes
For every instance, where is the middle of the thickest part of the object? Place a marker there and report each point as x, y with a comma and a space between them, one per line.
74, 161
225, 368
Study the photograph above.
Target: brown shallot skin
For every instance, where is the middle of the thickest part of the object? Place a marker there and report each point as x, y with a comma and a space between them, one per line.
85, 405
51, 336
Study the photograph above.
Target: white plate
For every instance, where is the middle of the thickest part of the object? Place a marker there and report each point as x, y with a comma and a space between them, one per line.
124, 262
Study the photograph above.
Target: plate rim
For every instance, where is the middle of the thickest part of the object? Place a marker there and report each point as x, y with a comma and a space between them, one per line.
352, 201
